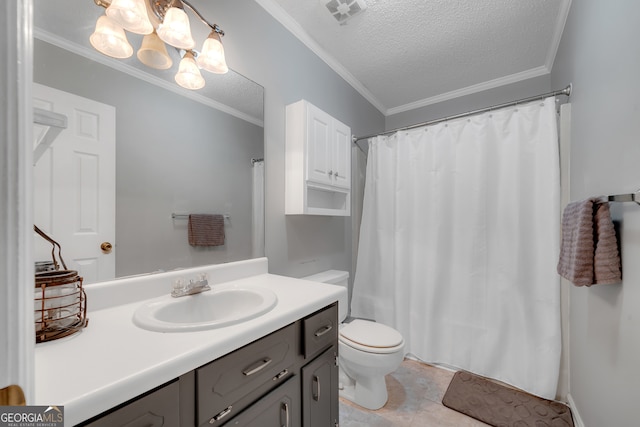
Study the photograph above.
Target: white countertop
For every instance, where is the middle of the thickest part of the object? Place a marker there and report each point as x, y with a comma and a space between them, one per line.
112, 360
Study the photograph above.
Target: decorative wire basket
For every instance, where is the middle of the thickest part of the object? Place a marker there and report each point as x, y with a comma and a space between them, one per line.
60, 301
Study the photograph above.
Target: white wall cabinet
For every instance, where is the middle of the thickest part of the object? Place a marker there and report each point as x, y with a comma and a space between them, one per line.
317, 161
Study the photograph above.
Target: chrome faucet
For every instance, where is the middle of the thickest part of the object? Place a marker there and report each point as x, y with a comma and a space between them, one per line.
182, 288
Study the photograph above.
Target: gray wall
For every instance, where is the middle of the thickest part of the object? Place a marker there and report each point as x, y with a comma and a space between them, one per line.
599, 54
172, 155
487, 98
260, 48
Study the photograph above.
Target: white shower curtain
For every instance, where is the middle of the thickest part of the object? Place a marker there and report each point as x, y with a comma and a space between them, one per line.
459, 244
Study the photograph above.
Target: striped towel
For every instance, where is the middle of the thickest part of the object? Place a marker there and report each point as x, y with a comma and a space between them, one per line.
206, 230
589, 250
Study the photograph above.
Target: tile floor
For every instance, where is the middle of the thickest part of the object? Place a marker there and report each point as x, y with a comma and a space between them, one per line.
415, 400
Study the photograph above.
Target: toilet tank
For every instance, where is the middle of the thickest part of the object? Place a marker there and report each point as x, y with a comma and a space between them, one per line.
334, 277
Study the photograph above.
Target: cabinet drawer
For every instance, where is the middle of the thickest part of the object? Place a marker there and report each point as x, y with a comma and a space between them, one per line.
160, 408
222, 383
280, 408
320, 331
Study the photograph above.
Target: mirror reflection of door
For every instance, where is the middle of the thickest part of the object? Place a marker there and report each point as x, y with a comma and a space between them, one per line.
77, 173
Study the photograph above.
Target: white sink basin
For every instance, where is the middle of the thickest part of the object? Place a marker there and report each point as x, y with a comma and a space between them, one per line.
222, 306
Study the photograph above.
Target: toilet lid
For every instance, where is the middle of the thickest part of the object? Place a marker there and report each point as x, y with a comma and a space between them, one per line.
371, 334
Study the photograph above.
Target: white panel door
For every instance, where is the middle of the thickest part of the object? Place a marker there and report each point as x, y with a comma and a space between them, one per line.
74, 181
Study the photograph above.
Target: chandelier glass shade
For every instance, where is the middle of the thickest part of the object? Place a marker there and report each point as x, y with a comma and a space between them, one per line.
176, 30
109, 38
169, 24
153, 53
211, 57
189, 75
130, 15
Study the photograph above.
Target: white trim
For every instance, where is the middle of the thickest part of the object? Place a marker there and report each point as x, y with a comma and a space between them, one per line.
17, 337
513, 78
564, 133
577, 421
94, 55
290, 24
557, 33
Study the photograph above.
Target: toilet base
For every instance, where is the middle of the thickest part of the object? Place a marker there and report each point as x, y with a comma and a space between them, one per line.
370, 393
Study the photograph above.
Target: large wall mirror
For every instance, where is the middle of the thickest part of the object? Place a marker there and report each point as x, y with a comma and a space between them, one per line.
176, 151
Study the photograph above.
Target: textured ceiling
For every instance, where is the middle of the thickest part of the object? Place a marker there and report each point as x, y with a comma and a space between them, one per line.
404, 54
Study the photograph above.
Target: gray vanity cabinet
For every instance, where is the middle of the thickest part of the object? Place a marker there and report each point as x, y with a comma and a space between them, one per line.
320, 390
288, 378
319, 371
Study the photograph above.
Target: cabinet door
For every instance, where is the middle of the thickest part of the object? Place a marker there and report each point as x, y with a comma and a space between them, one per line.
341, 155
319, 141
280, 408
160, 408
320, 391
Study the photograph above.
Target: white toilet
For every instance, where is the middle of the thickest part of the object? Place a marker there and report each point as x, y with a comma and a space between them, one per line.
367, 352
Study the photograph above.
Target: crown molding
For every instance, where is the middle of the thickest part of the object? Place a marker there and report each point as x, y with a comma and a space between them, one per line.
491, 84
94, 55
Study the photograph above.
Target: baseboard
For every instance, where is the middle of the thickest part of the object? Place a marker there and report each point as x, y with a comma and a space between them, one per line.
577, 421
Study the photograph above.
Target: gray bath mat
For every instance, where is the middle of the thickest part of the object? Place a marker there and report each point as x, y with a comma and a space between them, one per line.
502, 406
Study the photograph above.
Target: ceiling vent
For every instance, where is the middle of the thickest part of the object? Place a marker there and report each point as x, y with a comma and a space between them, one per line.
343, 10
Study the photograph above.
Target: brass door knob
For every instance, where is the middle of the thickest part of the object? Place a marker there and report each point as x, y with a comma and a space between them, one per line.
106, 247
12, 396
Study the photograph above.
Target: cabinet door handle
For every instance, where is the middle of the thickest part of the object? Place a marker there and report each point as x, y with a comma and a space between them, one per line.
284, 414
316, 388
281, 374
257, 367
221, 415
320, 332
330, 173
335, 174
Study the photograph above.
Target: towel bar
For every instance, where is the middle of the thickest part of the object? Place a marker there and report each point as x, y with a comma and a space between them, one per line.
186, 216
631, 197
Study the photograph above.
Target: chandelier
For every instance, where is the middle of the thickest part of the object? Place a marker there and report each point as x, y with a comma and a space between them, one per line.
160, 21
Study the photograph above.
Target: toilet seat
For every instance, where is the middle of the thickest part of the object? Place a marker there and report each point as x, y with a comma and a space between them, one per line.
371, 337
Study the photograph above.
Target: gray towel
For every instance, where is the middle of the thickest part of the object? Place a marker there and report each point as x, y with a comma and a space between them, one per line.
606, 262
206, 230
589, 251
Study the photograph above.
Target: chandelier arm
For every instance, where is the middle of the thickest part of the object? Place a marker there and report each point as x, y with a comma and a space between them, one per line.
213, 27
103, 3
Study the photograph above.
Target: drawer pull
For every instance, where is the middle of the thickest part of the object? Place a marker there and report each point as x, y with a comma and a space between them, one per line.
221, 415
281, 374
316, 388
257, 367
284, 413
320, 332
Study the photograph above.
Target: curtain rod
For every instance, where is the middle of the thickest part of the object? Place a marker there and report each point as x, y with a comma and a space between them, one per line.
566, 91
